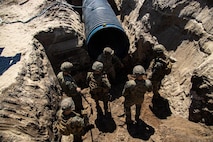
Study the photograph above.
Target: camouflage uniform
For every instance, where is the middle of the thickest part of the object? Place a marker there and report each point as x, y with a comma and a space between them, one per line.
134, 91
99, 85
159, 66
71, 122
110, 60
69, 86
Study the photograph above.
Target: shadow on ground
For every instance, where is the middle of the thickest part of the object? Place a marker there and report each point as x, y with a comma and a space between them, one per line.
105, 123
140, 130
160, 107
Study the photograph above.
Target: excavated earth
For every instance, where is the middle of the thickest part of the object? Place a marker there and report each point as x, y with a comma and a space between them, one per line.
37, 36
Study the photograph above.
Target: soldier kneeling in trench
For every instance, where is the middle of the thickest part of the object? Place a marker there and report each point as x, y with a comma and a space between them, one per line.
134, 91
71, 123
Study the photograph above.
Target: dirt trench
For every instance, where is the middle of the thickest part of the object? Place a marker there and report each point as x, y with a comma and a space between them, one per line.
31, 119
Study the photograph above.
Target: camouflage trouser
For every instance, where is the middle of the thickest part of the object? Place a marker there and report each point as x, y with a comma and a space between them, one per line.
100, 93
102, 96
77, 137
156, 87
111, 73
127, 106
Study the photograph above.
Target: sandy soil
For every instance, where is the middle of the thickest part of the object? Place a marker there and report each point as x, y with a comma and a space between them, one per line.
17, 44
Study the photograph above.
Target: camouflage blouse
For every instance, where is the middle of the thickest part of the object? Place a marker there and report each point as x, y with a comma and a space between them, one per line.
70, 124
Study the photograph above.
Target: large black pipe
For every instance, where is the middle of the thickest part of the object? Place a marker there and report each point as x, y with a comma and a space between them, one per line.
102, 29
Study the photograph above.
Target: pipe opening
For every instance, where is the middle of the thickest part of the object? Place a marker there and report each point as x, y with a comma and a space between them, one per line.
102, 28
110, 36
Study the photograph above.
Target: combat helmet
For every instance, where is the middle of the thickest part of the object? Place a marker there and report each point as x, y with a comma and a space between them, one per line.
66, 66
67, 103
108, 50
159, 48
97, 66
138, 70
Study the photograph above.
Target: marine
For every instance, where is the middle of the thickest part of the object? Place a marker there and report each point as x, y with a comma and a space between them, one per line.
69, 86
111, 63
134, 91
70, 122
159, 67
99, 86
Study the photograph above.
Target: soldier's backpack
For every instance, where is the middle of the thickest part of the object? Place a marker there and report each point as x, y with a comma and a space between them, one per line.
162, 66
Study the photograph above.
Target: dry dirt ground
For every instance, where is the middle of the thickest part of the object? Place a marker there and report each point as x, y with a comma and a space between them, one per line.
36, 36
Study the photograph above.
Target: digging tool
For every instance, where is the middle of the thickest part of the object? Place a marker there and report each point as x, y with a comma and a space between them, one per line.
91, 110
83, 97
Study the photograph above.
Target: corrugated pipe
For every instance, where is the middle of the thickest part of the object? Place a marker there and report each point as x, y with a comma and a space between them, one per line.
102, 29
